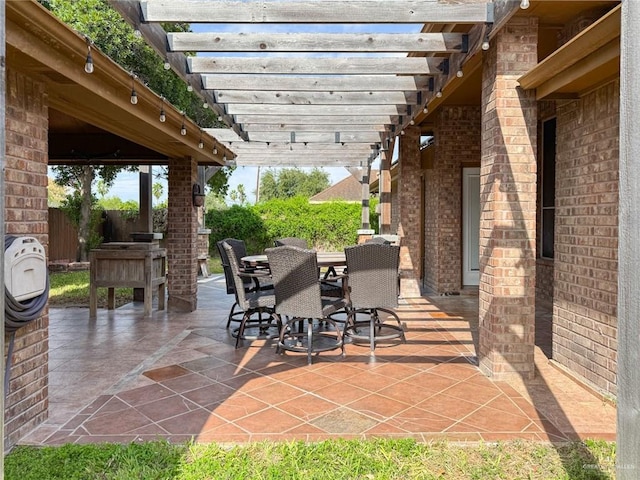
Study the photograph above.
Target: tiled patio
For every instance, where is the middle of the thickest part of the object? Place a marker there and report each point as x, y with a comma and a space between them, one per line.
178, 376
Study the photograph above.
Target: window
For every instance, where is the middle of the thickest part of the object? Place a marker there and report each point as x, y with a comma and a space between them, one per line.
548, 186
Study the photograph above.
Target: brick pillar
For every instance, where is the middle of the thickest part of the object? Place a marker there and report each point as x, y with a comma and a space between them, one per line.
508, 205
182, 236
410, 228
384, 185
26, 214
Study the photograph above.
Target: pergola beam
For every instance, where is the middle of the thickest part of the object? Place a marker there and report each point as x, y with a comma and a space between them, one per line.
314, 42
281, 97
316, 66
327, 11
315, 83
314, 110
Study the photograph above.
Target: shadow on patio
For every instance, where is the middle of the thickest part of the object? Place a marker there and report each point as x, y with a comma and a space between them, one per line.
177, 376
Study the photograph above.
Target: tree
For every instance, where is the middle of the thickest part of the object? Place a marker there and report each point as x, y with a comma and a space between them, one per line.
56, 193
113, 36
292, 182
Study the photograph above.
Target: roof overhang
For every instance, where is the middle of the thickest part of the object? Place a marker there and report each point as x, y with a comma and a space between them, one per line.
588, 60
41, 46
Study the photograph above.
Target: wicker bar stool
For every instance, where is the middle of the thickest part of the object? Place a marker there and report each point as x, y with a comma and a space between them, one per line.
373, 289
299, 298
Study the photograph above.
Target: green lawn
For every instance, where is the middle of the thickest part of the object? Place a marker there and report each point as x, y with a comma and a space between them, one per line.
337, 459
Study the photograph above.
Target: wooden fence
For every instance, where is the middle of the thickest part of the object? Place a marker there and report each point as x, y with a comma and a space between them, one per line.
117, 226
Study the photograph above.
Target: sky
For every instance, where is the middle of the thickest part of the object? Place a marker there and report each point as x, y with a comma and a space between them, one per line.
126, 186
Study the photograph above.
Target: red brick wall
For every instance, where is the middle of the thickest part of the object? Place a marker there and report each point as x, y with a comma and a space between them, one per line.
26, 215
586, 236
182, 236
508, 204
457, 143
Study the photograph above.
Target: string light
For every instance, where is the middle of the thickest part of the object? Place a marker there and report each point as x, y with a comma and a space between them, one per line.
425, 109
189, 87
215, 150
166, 65
459, 74
524, 4
439, 94
88, 64
137, 33
134, 95
183, 128
485, 44
205, 105
163, 116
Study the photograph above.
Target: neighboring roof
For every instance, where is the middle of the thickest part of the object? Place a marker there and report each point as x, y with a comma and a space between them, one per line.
348, 189
96, 107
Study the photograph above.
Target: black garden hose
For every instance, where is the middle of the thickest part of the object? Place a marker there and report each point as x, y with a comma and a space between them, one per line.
19, 314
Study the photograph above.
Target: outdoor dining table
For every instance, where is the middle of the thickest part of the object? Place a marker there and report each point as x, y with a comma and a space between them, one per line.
325, 259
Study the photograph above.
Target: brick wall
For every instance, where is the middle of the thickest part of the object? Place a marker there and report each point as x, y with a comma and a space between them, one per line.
26, 215
395, 208
410, 226
508, 204
457, 143
182, 236
586, 236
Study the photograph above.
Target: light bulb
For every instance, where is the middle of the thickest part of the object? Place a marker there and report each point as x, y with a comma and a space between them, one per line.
134, 97
205, 105
189, 88
412, 122
402, 132
485, 44
163, 117
166, 65
183, 130
524, 4
224, 158
439, 94
215, 151
88, 64
137, 33
425, 110
459, 74
200, 144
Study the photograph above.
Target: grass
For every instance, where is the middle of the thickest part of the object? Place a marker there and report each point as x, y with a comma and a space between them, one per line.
72, 288
332, 459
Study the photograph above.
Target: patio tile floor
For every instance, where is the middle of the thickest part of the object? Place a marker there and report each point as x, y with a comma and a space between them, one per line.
177, 376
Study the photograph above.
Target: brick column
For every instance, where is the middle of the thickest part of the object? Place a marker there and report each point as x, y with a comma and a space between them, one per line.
410, 228
26, 214
384, 185
508, 205
182, 235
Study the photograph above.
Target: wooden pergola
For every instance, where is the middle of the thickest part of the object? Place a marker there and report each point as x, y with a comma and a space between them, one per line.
307, 97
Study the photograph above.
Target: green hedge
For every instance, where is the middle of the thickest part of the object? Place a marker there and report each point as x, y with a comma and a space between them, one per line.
326, 226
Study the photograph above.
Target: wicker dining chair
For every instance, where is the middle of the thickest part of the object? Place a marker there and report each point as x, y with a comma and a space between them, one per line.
250, 284
299, 298
373, 289
252, 302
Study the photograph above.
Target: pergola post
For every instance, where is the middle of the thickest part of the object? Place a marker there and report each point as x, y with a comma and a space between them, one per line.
384, 185
628, 398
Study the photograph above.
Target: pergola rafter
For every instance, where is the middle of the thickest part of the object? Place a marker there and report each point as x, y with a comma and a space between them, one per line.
279, 80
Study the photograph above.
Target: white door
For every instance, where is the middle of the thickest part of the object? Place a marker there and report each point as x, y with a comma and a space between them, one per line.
470, 226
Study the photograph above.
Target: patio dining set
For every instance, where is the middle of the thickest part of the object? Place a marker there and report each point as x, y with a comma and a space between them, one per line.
340, 297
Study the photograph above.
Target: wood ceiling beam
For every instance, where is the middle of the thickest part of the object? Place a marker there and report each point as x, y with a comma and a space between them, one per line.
314, 120
259, 161
315, 83
315, 42
316, 137
315, 98
299, 147
315, 110
327, 11
292, 127
316, 65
